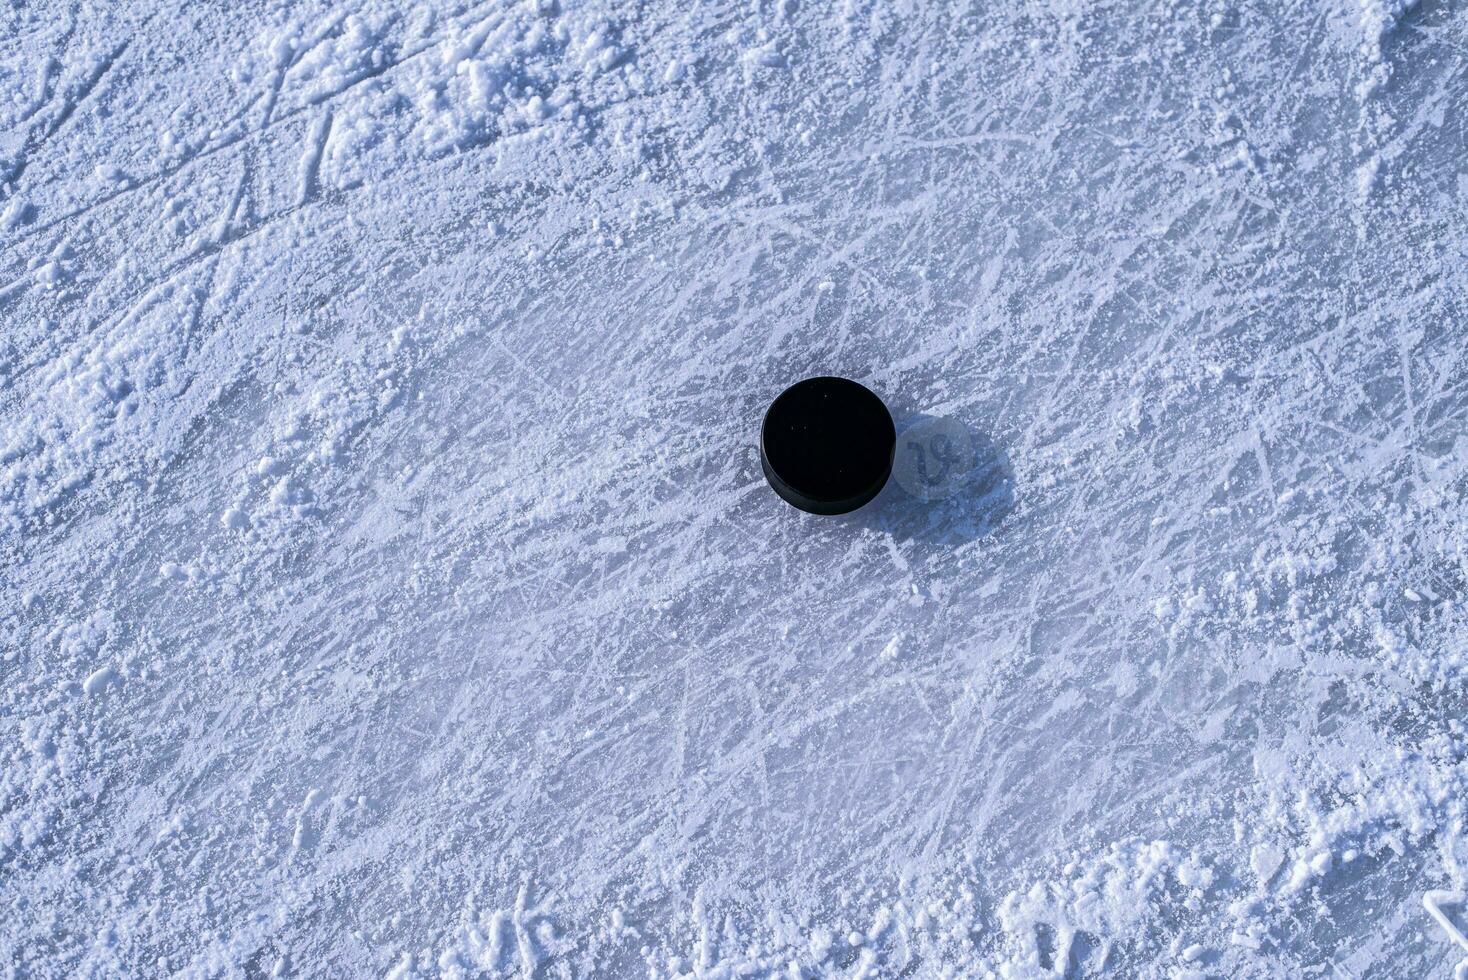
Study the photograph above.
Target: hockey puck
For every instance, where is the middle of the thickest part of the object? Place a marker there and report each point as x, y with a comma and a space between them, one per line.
826, 445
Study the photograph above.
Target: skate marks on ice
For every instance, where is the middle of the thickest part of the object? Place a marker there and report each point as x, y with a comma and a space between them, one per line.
279, 525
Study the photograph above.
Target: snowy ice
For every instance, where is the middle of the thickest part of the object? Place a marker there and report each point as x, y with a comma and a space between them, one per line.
388, 585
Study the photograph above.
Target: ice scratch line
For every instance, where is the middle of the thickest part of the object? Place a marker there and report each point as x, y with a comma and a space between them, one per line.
1434, 901
311, 160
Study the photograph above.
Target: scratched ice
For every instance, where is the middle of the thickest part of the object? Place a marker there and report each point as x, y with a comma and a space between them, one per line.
387, 581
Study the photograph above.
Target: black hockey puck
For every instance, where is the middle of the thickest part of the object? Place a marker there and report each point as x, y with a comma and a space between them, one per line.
826, 445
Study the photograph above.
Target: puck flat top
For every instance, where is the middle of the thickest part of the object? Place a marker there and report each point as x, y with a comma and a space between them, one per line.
826, 445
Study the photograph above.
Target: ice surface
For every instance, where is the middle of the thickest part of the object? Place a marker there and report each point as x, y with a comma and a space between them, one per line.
387, 581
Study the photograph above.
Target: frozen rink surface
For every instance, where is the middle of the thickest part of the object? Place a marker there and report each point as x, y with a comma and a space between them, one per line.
388, 586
